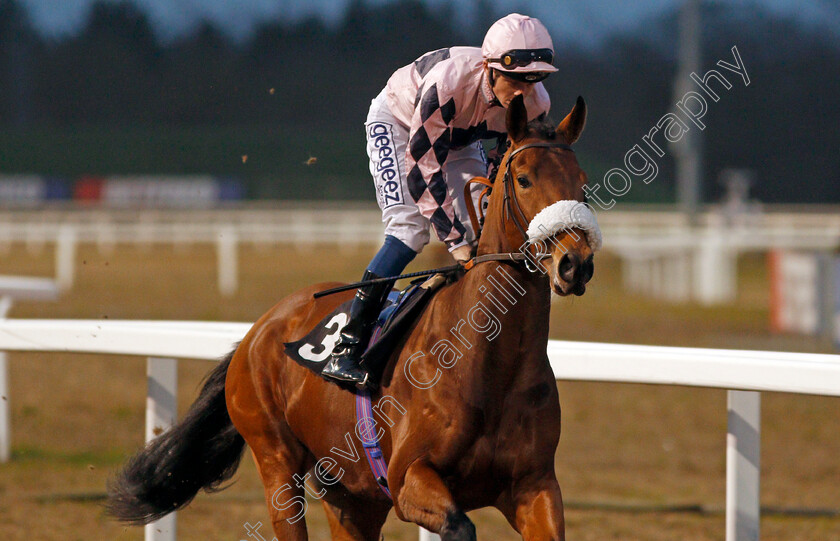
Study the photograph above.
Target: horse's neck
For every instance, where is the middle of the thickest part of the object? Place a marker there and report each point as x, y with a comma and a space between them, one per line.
518, 298
508, 297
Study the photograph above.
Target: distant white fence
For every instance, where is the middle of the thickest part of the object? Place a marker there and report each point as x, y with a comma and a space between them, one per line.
662, 255
679, 263
747, 371
805, 292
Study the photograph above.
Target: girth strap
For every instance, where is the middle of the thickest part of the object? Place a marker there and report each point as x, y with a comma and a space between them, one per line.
366, 429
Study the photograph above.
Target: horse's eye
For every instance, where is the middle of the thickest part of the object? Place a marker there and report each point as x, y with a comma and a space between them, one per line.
523, 181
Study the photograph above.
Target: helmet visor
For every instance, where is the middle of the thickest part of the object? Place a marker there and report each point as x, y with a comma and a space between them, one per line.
525, 76
519, 58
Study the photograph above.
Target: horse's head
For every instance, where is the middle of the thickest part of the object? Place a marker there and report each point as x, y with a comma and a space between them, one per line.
542, 209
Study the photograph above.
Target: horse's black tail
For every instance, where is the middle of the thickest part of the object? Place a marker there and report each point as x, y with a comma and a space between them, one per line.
201, 451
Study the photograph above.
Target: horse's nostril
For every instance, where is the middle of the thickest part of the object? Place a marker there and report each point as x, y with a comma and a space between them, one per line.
587, 270
568, 267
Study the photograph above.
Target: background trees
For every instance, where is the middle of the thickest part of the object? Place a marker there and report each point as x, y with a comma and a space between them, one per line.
314, 82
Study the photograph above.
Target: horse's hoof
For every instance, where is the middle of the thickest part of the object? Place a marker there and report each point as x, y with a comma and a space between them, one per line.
458, 527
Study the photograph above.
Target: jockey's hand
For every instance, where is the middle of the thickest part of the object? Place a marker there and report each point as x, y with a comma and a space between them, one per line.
462, 254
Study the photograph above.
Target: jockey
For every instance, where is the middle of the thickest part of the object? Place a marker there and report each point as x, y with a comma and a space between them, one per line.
424, 133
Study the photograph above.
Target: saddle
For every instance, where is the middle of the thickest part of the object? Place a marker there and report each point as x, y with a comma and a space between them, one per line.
401, 309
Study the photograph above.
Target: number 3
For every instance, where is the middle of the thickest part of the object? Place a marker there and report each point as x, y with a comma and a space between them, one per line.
307, 351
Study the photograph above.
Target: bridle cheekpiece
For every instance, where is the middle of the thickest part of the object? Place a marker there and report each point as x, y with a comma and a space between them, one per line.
565, 214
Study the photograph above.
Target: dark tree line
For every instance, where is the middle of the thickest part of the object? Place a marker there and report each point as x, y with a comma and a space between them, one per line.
117, 72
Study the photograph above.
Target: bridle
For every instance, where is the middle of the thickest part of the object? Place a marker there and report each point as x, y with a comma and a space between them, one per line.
510, 201
511, 210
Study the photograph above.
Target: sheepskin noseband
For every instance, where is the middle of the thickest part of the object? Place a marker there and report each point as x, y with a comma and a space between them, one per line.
565, 215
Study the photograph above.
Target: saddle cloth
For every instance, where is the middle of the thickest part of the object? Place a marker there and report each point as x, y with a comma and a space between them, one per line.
400, 310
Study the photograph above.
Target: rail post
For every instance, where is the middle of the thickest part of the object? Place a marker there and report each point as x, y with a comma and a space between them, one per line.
65, 257
426, 535
161, 412
836, 319
743, 465
227, 260
714, 268
5, 409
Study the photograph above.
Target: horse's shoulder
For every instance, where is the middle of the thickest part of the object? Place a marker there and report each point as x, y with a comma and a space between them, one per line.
299, 311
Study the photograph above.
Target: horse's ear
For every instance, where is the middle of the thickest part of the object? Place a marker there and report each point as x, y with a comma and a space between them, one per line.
516, 118
573, 124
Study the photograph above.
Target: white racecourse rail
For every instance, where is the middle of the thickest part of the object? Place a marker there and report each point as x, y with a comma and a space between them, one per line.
663, 256
747, 371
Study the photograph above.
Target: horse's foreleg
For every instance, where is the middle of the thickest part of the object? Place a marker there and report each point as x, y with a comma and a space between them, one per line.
536, 510
423, 498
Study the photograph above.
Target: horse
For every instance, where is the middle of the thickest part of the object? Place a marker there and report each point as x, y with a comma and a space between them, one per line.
467, 410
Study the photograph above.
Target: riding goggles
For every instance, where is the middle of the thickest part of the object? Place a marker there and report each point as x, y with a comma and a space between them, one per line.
525, 76
519, 58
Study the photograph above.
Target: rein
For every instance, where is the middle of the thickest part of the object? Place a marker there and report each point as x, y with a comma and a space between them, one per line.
441, 270
450, 269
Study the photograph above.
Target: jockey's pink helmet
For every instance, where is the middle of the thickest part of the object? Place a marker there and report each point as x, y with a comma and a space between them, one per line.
518, 43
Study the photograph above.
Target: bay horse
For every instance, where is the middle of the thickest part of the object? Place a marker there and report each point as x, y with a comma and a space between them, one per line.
467, 412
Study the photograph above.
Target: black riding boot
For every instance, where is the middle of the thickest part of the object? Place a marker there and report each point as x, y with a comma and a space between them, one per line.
344, 361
